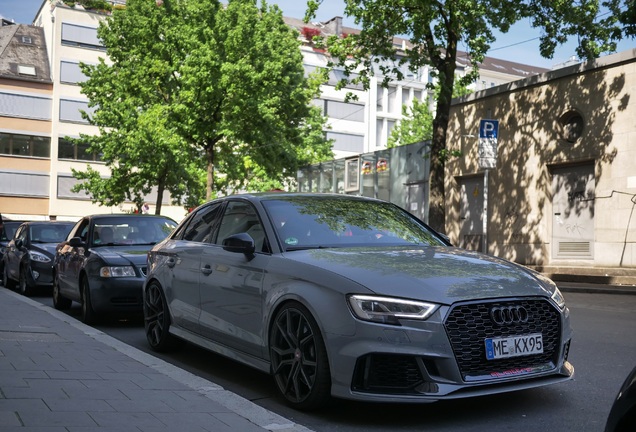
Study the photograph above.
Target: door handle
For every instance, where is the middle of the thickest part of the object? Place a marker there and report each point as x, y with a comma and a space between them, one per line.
206, 270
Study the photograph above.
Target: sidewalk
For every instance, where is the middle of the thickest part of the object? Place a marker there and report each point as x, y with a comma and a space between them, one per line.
57, 374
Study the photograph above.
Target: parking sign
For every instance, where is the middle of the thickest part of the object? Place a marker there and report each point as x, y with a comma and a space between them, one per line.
488, 132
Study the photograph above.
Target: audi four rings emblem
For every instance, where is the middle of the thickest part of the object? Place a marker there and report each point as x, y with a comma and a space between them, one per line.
503, 315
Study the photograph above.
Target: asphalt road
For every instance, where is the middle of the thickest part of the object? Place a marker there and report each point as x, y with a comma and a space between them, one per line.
603, 352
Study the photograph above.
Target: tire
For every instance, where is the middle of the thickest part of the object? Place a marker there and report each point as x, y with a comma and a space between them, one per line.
157, 320
88, 315
299, 358
24, 287
59, 302
6, 280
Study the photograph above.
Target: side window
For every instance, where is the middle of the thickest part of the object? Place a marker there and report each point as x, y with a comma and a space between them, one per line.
21, 233
202, 225
81, 231
241, 217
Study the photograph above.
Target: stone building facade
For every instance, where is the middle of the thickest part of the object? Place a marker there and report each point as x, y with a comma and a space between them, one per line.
547, 176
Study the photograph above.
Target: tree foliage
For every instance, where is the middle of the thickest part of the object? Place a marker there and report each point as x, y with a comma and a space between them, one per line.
416, 125
435, 30
194, 89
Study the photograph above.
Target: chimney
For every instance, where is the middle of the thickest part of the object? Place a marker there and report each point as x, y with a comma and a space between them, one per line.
334, 26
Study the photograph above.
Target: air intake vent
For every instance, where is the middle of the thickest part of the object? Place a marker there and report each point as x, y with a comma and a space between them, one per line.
578, 248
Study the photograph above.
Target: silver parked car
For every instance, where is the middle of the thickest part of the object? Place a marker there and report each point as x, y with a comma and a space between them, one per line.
354, 298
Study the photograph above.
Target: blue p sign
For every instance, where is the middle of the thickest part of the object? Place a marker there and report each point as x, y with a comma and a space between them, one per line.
488, 128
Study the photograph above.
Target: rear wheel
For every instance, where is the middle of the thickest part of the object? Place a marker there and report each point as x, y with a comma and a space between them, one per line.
299, 358
59, 302
88, 314
157, 320
24, 286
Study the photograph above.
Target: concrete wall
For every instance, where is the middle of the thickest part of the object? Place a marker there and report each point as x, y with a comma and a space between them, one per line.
532, 144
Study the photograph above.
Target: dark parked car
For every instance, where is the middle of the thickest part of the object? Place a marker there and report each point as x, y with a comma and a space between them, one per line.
102, 264
7, 231
622, 416
28, 258
355, 298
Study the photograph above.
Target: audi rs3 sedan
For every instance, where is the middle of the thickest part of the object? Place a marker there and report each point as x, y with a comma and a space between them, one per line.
351, 297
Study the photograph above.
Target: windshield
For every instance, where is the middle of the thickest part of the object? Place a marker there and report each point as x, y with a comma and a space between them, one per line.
50, 233
136, 230
9, 229
314, 222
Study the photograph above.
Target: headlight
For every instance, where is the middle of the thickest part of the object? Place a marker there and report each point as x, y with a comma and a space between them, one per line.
39, 257
558, 298
121, 271
388, 310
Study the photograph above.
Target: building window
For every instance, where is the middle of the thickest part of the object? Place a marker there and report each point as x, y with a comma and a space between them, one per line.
71, 111
27, 40
74, 151
80, 36
70, 73
344, 110
346, 142
380, 100
20, 183
25, 145
394, 105
26, 70
572, 126
25, 106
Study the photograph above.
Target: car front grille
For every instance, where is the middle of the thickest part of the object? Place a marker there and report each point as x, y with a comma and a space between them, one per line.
143, 270
468, 325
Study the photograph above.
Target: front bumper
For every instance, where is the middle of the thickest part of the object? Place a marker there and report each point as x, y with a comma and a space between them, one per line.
444, 357
117, 294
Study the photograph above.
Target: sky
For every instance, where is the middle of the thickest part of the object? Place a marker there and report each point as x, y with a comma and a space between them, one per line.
520, 44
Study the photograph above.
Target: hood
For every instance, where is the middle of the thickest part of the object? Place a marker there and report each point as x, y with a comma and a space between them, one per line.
47, 248
439, 274
123, 255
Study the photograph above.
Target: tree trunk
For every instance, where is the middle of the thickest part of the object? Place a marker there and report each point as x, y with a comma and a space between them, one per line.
438, 156
161, 187
209, 153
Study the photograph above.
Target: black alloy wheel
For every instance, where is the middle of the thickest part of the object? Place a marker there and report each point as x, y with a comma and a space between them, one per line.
88, 315
59, 302
299, 358
157, 320
24, 287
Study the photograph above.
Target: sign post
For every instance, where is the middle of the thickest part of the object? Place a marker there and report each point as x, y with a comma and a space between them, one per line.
488, 132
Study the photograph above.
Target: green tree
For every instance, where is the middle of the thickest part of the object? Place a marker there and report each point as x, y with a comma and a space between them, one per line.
435, 30
190, 86
416, 125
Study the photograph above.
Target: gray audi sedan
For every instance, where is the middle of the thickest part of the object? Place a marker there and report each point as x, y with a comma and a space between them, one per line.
351, 297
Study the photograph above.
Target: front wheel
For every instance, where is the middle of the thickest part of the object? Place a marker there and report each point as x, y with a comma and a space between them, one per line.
299, 358
25, 288
157, 320
88, 315
59, 302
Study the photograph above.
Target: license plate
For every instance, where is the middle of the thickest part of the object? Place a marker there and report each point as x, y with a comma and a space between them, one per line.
514, 346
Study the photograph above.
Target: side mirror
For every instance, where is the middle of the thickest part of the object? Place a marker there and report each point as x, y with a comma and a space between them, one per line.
76, 242
240, 243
